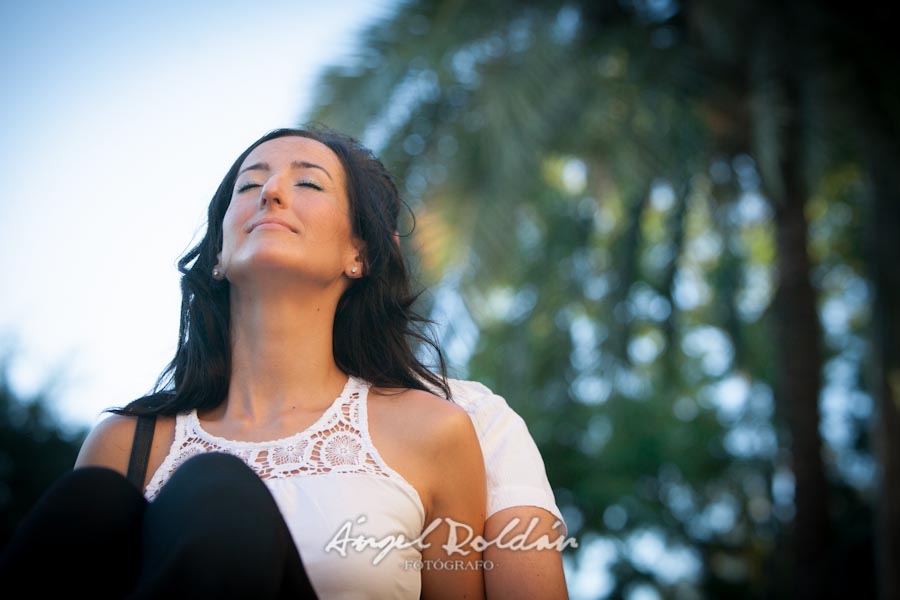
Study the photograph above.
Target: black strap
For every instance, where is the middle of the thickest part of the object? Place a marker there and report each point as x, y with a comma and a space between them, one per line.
140, 450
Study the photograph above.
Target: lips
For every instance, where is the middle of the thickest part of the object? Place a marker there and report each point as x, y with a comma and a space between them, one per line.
272, 223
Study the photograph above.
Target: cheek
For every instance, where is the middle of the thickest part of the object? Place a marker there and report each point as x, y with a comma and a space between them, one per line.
230, 225
325, 222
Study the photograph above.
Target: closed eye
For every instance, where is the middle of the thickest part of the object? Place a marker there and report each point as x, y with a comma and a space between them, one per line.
305, 183
311, 184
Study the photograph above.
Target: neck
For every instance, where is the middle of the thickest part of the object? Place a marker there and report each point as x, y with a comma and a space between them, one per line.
282, 354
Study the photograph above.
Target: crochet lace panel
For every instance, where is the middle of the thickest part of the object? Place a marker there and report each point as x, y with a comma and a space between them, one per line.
338, 442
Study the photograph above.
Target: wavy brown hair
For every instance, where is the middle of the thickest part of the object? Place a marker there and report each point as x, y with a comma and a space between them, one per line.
374, 324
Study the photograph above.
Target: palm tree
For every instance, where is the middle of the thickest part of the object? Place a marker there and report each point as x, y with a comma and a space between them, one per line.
510, 122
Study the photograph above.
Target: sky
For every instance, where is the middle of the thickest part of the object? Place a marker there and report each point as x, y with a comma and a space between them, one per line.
118, 121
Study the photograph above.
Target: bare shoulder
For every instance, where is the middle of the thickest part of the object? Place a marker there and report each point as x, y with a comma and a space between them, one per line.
109, 442
433, 420
425, 438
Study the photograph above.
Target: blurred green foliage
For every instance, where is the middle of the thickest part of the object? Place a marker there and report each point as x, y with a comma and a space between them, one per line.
608, 197
34, 452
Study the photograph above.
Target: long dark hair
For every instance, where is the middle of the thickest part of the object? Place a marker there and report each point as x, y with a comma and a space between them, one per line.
374, 322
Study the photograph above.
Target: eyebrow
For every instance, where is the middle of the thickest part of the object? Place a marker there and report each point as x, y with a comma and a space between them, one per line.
297, 164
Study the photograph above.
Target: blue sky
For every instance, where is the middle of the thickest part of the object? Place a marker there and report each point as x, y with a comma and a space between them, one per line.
119, 119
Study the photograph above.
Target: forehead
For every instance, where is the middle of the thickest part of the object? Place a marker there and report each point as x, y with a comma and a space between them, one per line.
285, 150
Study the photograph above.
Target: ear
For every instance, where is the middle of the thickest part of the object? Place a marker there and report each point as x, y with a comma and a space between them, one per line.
217, 272
356, 265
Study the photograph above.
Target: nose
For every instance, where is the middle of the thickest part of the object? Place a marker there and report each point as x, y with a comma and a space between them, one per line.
273, 192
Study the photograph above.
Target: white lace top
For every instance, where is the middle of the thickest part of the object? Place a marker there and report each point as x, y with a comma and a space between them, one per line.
327, 480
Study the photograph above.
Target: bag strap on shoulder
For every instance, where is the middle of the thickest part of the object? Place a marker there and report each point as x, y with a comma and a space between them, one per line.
140, 450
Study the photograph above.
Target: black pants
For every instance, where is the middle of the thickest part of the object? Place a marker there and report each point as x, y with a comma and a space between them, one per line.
214, 531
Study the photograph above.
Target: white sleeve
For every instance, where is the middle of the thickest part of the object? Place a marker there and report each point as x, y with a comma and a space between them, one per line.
515, 470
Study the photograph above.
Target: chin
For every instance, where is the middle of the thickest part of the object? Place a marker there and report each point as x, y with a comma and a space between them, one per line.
274, 265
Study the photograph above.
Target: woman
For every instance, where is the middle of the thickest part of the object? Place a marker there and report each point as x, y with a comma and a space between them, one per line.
293, 355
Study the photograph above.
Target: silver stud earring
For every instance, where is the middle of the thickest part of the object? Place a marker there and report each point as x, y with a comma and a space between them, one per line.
354, 270
216, 273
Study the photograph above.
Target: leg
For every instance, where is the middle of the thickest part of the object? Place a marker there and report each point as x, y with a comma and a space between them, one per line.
215, 531
82, 536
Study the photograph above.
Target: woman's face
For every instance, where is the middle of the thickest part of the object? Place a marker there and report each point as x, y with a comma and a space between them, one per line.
299, 184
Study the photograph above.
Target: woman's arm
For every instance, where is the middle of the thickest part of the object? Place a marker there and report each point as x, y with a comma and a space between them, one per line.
512, 574
450, 567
